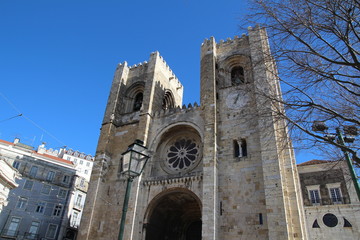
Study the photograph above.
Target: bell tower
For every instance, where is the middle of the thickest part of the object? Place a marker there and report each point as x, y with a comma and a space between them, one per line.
250, 176
137, 93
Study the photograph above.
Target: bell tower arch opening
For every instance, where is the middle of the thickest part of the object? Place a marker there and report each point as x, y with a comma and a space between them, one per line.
133, 98
168, 100
174, 215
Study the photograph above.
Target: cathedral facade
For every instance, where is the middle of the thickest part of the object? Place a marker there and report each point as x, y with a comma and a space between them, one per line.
223, 169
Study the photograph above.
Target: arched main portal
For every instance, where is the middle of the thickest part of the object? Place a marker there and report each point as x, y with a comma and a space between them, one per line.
174, 216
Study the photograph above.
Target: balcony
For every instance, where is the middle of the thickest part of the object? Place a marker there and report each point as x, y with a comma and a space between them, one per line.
9, 234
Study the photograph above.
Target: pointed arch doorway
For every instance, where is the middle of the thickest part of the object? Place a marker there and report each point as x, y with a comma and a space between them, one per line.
175, 215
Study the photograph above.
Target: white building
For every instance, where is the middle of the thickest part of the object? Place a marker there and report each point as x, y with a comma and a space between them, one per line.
83, 164
8, 176
332, 208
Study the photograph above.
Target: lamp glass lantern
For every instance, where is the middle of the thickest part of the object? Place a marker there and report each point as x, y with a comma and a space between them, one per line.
134, 159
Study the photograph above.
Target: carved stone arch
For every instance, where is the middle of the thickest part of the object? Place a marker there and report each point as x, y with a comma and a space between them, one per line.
156, 140
237, 70
134, 97
168, 100
173, 214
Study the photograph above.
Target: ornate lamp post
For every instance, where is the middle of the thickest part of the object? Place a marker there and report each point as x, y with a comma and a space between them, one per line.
134, 161
320, 126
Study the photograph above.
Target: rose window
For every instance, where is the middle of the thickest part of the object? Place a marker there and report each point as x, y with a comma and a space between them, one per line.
182, 154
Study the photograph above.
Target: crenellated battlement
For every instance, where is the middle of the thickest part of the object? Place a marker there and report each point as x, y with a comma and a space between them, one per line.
139, 65
207, 45
125, 64
208, 42
232, 40
177, 110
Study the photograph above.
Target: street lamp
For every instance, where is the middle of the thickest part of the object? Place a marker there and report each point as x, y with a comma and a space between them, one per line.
134, 161
351, 131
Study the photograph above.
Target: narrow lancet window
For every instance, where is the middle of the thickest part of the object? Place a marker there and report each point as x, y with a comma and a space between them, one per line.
243, 148
240, 148
236, 149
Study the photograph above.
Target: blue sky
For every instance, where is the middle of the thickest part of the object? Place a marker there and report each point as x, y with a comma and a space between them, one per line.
57, 58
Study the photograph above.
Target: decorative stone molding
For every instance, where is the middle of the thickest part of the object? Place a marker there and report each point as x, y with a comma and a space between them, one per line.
172, 180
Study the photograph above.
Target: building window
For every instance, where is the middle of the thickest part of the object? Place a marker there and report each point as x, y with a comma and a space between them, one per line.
13, 227
50, 176
62, 193
314, 197
46, 189
75, 160
237, 76
33, 230
82, 182
261, 221
51, 231
243, 148
182, 154
335, 195
68, 158
314, 194
66, 179
74, 219
28, 185
81, 162
315, 224
57, 210
240, 148
40, 208
86, 171
78, 200
138, 102
88, 164
236, 149
168, 101
330, 220
347, 223
16, 164
33, 171
22, 203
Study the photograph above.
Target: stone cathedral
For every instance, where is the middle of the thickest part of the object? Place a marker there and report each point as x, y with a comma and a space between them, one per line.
220, 170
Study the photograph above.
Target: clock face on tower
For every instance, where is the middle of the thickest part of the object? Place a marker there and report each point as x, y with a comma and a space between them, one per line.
236, 100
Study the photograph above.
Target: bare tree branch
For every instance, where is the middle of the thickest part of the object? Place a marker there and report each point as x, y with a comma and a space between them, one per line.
316, 46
